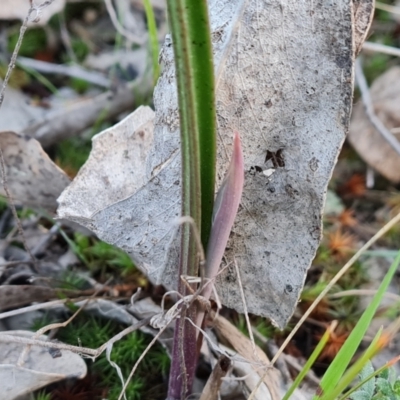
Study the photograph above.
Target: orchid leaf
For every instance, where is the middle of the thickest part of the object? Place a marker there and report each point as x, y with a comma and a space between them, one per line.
225, 209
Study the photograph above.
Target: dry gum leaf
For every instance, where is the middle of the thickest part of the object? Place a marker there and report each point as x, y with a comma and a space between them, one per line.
369, 143
227, 332
39, 370
363, 11
32, 178
284, 80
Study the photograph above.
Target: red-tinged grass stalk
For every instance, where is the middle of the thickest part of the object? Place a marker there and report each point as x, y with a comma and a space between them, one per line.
225, 209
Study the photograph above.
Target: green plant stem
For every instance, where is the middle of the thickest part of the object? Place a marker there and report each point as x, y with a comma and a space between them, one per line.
195, 83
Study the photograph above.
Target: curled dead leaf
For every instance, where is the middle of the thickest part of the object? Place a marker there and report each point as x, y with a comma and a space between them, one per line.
31, 177
369, 143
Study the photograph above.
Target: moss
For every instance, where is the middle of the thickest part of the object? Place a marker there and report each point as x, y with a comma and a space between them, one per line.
88, 331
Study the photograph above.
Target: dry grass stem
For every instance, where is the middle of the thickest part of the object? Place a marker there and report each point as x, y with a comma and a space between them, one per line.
246, 314
381, 48
387, 7
120, 29
363, 292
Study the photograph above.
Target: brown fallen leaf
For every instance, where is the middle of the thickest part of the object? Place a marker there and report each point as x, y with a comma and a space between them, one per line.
369, 143
32, 178
240, 343
12, 296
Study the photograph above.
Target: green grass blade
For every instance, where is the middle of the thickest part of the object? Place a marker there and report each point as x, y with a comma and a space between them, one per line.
355, 369
336, 370
154, 48
310, 362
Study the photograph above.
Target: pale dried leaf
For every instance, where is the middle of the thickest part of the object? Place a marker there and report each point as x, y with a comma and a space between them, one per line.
40, 368
32, 178
293, 118
363, 15
227, 332
369, 143
284, 72
18, 9
115, 169
19, 112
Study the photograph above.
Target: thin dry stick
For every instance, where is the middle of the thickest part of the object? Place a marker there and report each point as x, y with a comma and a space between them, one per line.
15, 53
14, 210
221, 368
36, 307
328, 287
120, 29
381, 48
363, 292
75, 71
246, 314
139, 361
55, 326
369, 108
387, 7
61, 346
93, 353
49, 327
22, 31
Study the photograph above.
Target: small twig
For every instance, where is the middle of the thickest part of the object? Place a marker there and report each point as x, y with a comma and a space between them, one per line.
22, 31
370, 178
13, 263
22, 357
246, 314
363, 292
381, 48
139, 361
387, 7
11, 65
56, 326
36, 307
43, 242
120, 29
369, 109
65, 38
14, 210
74, 71
93, 353
61, 346
221, 368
